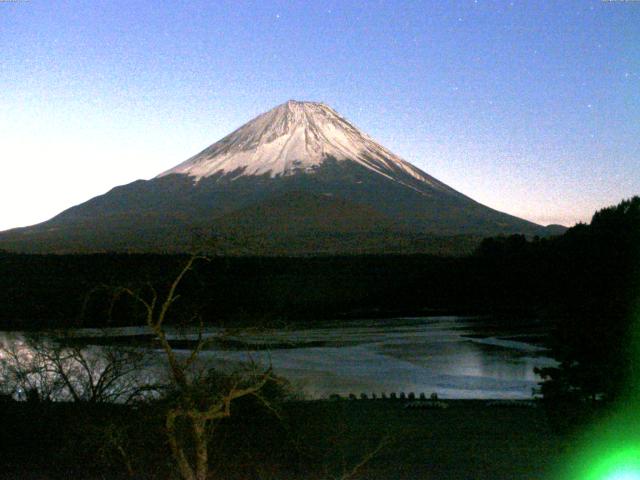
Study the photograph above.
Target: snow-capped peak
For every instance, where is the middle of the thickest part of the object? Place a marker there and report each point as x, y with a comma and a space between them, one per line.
296, 137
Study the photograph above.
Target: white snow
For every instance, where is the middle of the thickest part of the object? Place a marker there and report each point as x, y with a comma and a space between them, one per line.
294, 137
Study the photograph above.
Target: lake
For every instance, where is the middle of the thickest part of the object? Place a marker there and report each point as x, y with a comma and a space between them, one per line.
454, 357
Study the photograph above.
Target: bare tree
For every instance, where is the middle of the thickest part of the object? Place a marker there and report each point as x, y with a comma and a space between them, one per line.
198, 399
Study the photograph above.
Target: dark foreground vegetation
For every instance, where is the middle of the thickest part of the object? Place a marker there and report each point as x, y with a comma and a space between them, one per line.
373, 439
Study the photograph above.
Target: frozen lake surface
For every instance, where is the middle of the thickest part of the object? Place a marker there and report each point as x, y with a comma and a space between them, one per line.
423, 355
455, 357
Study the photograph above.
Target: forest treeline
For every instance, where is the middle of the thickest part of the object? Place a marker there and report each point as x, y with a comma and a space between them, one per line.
52, 290
591, 270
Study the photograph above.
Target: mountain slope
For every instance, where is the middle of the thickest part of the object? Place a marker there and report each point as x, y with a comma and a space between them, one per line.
299, 169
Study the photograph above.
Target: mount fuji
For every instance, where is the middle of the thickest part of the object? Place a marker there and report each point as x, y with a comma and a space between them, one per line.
298, 179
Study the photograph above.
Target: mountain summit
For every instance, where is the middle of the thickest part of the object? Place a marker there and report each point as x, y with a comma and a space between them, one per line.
298, 179
297, 137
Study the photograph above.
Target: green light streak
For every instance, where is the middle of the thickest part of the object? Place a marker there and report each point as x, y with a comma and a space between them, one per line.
624, 475
622, 465
610, 450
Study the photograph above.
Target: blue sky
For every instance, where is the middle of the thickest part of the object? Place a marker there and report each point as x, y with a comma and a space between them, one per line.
530, 107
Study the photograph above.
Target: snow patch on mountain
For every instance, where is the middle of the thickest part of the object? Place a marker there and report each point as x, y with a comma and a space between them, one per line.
298, 137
